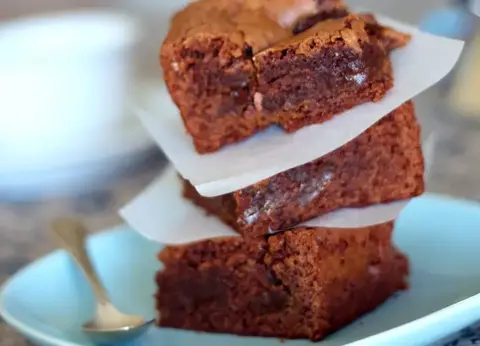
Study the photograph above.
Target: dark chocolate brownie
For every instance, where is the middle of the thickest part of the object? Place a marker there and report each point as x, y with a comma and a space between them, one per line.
303, 283
383, 164
305, 23
326, 70
288, 13
208, 67
220, 56
390, 38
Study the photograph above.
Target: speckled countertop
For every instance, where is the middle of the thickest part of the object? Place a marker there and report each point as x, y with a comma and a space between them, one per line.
23, 226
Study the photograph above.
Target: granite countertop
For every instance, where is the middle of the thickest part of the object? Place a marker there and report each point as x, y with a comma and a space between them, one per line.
23, 226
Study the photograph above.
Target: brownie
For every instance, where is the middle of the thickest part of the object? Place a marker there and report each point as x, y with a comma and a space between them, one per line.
303, 283
225, 66
306, 22
326, 70
208, 67
390, 38
290, 13
383, 164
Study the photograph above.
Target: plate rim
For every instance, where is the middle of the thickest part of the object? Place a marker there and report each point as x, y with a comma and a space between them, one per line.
382, 338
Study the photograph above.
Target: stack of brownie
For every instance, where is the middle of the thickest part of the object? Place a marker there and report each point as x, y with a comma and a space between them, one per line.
235, 67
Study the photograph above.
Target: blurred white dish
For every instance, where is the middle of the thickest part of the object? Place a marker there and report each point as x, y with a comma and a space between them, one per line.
102, 158
66, 88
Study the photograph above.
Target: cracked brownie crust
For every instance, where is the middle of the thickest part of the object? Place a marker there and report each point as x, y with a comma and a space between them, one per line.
219, 55
383, 164
390, 38
303, 283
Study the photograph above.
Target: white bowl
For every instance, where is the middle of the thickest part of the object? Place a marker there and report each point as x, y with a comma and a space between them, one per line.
65, 85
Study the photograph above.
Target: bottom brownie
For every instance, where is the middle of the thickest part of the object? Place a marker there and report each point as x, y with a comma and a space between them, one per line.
302, 283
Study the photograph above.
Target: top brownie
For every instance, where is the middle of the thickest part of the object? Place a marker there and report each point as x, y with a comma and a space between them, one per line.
390, 38
332, 67
213, 61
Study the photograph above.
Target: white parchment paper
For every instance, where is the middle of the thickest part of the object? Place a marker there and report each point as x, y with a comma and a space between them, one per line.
418, 66
160, 213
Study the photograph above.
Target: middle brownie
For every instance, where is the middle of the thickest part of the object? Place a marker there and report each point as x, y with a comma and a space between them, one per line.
383, 164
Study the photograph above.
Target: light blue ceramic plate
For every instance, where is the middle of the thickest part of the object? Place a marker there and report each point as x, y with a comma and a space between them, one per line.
48, 300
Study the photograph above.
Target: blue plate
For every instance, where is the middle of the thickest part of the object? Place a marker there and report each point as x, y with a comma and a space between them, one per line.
48, 300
